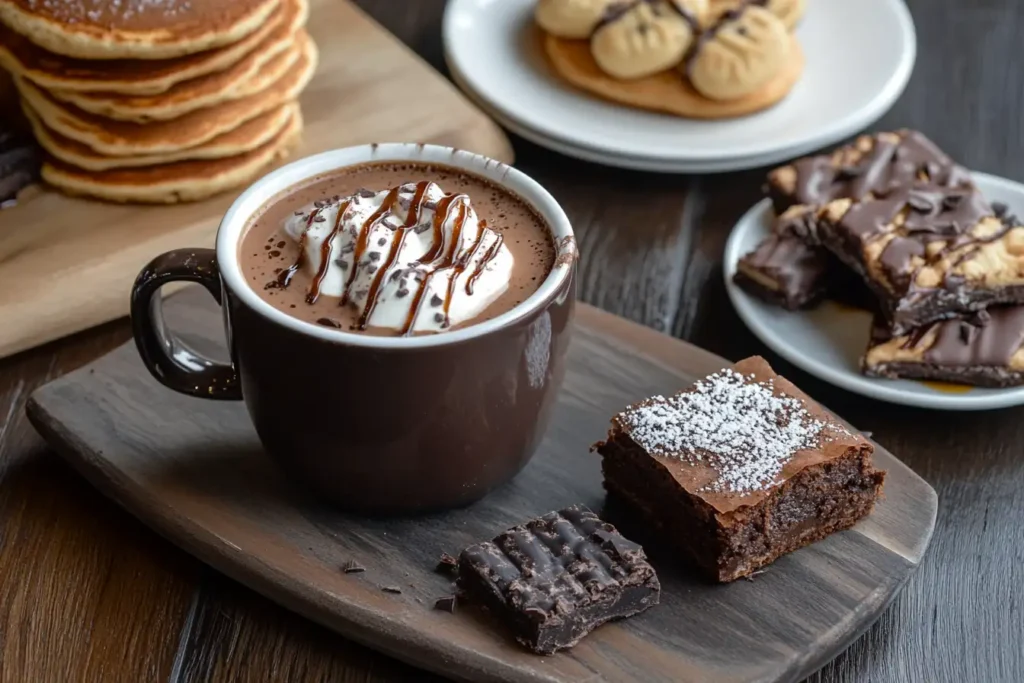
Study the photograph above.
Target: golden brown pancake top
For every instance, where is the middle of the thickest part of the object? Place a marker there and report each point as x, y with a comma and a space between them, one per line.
181, 17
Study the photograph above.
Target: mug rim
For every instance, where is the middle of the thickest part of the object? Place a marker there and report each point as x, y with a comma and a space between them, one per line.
276, 183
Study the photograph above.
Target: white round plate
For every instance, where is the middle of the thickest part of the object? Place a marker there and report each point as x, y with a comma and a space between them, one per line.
828, 341
632, 163
859, 58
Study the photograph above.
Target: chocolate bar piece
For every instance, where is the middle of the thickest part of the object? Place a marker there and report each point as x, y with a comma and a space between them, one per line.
557, 578
986, 350
786, 271
870, 166
739, 469
928, 253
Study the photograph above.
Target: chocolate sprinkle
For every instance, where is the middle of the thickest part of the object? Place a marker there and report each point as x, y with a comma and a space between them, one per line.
446, 604
352, 567
374, 256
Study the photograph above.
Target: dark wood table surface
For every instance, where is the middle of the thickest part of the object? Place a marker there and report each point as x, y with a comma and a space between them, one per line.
87, 593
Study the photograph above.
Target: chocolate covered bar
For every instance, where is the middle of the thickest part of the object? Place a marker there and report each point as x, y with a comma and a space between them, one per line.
739, 469
870, 166
928, 253
555, 579
986, 350
785, 271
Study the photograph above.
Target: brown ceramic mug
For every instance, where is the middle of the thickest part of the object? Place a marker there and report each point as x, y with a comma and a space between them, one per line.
379, 424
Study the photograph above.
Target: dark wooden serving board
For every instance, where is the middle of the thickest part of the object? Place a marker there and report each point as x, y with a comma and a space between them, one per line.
194, 471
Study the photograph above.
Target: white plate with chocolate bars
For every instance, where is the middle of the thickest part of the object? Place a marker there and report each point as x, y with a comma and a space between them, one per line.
497, 55
837, 339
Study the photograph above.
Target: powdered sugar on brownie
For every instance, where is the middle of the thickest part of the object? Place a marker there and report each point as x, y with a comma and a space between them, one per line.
737, 425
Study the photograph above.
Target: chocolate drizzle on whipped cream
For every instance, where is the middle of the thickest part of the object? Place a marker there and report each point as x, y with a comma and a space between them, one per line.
456, 252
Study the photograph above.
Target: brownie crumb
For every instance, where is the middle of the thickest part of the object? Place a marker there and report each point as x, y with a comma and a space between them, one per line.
352, 567
446, 604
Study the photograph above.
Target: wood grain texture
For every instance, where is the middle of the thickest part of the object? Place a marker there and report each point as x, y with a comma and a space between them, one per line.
67, 263
194, 470
959, 618
72, 607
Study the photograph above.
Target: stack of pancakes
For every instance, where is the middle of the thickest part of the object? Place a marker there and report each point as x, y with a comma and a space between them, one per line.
158, 100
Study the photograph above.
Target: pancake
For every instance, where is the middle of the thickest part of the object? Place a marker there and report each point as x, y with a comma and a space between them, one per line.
667, 91
182, 181
247, 137
255, 72
134, 29
124, 138
134, 76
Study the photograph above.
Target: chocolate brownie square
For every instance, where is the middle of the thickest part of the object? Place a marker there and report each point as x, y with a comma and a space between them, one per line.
556, 578
739, 469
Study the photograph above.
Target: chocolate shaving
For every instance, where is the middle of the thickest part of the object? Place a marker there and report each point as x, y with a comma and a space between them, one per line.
848, 172
446, 604
328, 322
921, 203
352, 567
391, 589
966, 332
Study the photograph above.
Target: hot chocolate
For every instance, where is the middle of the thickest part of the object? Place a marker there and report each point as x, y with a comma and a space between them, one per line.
396, 249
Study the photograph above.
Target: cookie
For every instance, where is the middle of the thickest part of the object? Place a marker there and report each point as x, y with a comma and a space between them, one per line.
570, 18
642, 39
740, 54
666, 91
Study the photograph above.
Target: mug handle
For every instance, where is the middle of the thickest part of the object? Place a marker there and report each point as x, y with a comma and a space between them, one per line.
172, 362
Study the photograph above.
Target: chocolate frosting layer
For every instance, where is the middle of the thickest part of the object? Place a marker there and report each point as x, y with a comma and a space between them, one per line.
788, 261
990, 339
888, 166
932, 214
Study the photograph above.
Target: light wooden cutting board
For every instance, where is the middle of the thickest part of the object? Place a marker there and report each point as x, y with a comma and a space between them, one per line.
67, 264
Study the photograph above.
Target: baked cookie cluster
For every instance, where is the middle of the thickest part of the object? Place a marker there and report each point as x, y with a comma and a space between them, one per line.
695, 58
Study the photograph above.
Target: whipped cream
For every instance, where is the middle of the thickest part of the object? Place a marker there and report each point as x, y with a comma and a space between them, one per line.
411, 258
